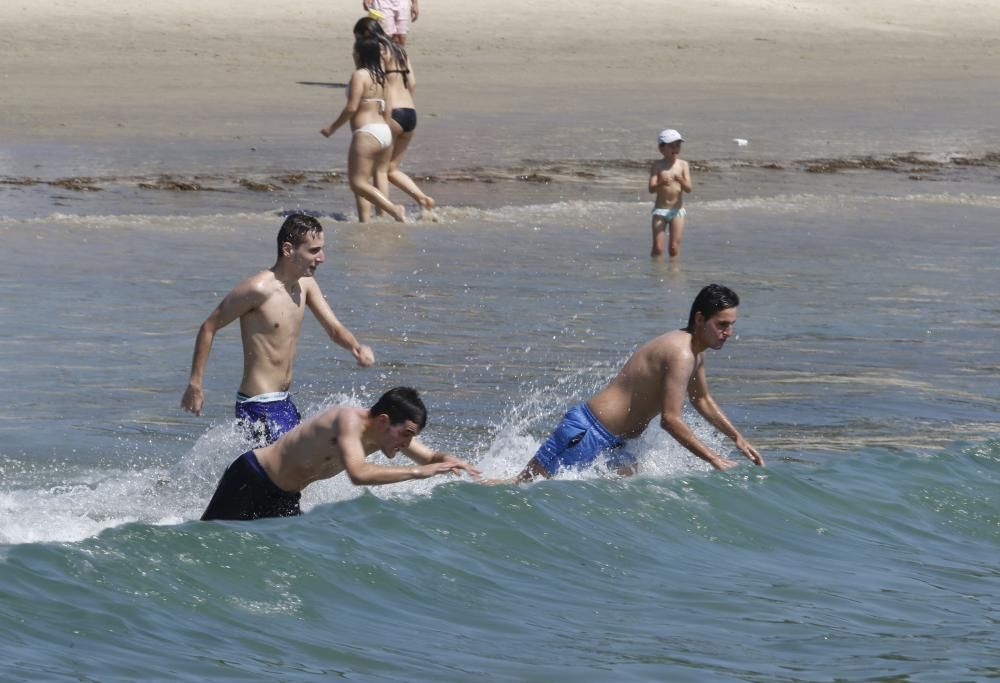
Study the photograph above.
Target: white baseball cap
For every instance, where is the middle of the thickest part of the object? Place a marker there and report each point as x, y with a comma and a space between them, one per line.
669, 135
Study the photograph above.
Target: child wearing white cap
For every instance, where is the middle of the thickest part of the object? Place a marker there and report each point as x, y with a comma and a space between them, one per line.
669, 179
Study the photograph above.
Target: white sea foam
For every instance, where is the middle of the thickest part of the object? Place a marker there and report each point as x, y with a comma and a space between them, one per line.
593, 214
178, 223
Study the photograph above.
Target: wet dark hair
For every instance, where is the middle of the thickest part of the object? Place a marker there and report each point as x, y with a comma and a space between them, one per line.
296, 228
368, 53
401, 404
367, 28
710, 300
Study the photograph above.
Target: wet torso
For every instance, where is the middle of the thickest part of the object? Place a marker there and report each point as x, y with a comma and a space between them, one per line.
270, 335
636, 395
307, 453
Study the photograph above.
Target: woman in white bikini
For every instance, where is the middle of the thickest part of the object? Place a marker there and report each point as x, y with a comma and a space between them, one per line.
371, 137
399, 84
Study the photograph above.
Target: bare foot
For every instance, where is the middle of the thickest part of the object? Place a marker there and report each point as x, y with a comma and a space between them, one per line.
427, 210
401, 210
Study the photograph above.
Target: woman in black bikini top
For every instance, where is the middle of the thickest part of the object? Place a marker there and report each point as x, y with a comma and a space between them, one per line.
399, 86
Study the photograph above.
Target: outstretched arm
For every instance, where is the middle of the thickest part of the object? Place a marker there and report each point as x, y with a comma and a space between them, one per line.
671, 420
420, 453
364, 473
241, 300
680, 370
340, 335
703, 402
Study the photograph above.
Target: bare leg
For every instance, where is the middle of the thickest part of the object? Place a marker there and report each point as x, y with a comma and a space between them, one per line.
403, 181
676, 235
381, 175
659, 228
364, 208
361, 161
406, 184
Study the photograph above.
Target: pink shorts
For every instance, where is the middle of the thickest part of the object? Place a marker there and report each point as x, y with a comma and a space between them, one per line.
397, 16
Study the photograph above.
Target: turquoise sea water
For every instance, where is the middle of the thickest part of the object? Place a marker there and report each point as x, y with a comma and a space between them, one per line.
865, 371
878, 565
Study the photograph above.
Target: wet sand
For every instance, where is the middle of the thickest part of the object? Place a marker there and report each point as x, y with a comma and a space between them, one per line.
847, 74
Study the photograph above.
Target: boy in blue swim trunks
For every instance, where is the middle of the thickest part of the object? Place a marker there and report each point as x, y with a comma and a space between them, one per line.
654, 381
268, 481
669, 179
270, 307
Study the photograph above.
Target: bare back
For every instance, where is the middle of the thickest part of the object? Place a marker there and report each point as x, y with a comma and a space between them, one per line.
399, 89
270, 333
309, 452
369, 98
638, 393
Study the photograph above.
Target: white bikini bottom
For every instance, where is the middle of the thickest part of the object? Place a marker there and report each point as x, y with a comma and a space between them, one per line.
379, 131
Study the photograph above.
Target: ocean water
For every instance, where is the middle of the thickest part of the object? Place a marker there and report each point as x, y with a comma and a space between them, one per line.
865, 370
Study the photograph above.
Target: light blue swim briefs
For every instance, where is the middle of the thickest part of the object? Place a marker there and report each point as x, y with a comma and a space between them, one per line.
670, 214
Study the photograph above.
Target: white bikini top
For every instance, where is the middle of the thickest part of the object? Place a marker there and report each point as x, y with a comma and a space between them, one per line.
381, 102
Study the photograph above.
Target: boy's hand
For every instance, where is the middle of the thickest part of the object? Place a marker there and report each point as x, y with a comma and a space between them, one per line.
459, 465
364, 355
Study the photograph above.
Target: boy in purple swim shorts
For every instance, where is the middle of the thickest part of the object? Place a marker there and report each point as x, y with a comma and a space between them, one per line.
265, 417
271, 306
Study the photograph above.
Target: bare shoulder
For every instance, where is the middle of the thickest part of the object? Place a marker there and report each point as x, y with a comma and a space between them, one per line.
330, 424
310, 286
255, 288
343, 420
361, 77
674, 346
262, 281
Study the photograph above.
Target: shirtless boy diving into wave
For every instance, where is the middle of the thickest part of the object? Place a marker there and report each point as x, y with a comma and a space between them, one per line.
268, 481
654, 381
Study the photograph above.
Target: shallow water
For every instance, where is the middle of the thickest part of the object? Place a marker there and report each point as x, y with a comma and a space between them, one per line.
864, 369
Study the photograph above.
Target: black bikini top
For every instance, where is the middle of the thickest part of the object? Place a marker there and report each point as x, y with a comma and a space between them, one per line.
402, 72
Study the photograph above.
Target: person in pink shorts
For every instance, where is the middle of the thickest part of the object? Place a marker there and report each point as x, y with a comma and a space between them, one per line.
396, 16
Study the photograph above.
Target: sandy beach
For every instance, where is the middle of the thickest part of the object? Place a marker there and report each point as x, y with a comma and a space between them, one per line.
87, 71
